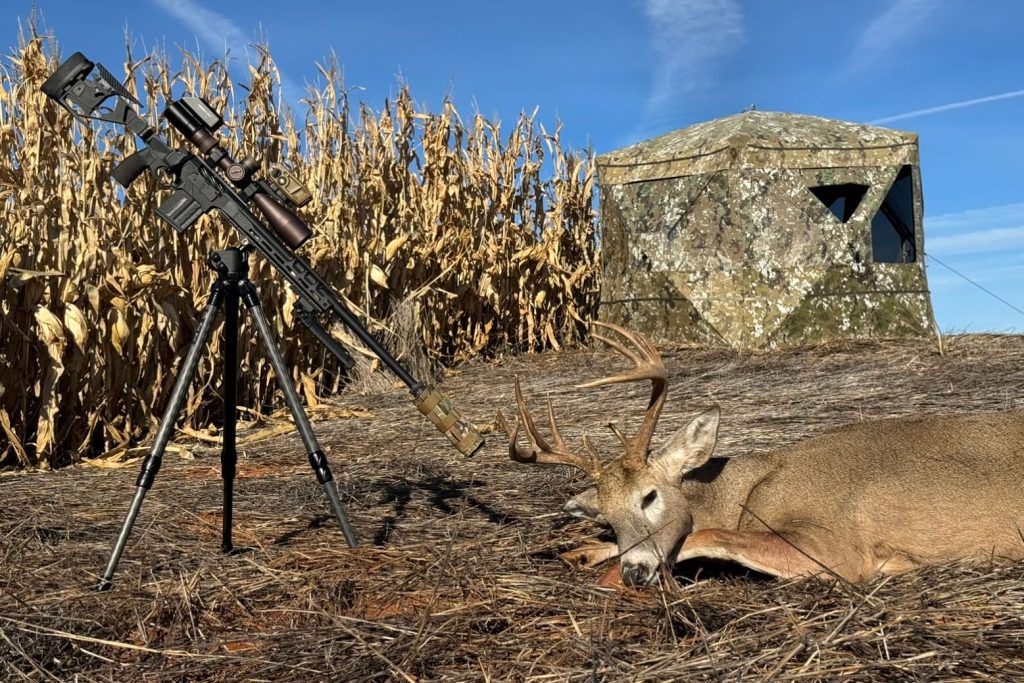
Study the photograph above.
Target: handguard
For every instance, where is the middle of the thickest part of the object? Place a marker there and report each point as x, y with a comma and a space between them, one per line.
439, 410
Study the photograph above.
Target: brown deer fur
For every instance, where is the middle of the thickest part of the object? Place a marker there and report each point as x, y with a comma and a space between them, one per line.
878, 497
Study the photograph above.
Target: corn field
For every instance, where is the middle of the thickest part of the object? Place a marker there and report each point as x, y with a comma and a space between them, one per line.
457, 238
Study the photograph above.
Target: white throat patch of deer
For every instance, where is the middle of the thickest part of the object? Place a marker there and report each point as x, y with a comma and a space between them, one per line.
876, 497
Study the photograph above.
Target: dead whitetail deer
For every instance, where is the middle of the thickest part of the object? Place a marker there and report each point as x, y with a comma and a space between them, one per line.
878, 497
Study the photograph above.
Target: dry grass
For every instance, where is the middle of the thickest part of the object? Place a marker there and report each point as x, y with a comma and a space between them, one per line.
447, 237
457, 578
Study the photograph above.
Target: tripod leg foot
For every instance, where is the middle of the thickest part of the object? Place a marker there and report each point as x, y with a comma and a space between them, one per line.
129, 521
339, 514
323, 474
226, 545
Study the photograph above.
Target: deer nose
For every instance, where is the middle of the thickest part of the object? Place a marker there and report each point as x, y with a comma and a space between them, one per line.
637, 574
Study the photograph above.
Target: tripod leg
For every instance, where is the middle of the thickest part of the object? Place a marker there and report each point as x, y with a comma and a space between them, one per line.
229, 453
317, 459
151, 464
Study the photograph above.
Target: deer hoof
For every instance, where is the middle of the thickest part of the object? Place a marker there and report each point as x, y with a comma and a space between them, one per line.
577, 558
589, 555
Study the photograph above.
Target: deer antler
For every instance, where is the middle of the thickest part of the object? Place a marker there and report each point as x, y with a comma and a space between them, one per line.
649, 366
540, 451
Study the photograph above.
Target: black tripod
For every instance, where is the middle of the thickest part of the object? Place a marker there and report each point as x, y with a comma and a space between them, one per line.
232, 285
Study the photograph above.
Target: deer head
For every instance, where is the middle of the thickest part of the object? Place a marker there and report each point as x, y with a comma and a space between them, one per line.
639, 492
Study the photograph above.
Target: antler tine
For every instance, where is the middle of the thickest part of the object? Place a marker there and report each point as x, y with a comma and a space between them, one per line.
648, 366
555, 436
540, 451
643, 354
512, 433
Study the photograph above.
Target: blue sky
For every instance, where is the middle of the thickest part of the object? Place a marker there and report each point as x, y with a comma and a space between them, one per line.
616, 72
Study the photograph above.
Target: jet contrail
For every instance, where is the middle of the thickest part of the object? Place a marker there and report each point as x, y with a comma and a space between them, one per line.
951, 105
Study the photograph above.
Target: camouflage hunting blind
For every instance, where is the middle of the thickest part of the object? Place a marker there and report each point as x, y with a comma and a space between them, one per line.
763, 230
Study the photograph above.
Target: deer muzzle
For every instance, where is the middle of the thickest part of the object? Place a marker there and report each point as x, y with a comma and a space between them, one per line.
637, 574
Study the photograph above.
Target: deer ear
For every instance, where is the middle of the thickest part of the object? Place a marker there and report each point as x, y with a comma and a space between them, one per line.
690, 447
585, 505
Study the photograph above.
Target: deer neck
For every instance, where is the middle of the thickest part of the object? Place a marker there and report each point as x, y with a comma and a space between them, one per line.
718, 490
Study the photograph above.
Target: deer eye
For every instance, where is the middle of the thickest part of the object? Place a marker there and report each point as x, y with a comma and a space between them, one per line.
648, 499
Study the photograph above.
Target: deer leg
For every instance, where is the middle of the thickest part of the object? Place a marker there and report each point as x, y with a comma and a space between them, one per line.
590, 554
763, 551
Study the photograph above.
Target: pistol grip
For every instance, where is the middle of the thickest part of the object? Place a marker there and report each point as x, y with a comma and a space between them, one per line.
439, 409
128, 170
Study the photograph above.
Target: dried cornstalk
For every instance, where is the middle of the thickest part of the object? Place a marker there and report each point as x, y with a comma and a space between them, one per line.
484, 239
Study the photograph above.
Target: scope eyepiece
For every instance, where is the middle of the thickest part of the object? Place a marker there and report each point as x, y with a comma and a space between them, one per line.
194, 118
201, 110
191, 112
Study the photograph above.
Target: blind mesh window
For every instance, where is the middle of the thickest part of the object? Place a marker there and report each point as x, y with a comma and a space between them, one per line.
841, 200
893, 233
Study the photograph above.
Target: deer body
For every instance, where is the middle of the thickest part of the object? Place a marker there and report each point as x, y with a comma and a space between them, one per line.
883, 496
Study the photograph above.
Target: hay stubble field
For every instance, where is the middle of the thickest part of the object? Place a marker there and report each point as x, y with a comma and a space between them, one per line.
457, 576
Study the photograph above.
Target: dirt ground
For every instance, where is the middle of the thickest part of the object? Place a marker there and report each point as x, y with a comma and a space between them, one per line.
457, 576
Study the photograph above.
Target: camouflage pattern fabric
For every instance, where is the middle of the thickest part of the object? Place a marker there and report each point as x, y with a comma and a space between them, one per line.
712, 234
